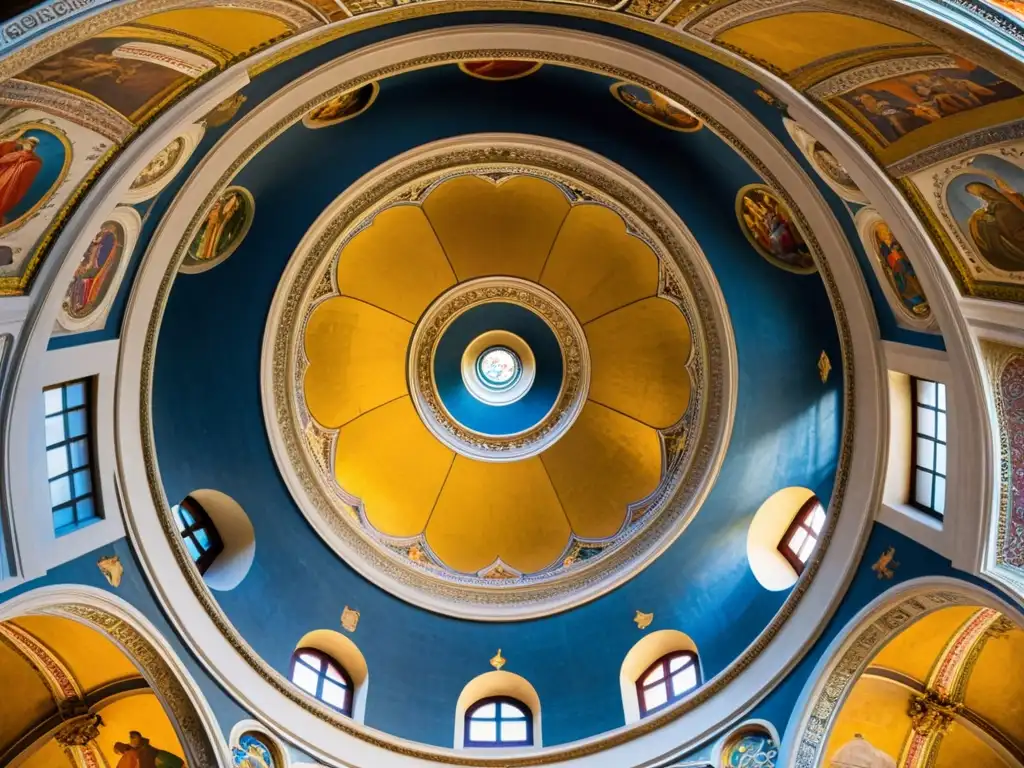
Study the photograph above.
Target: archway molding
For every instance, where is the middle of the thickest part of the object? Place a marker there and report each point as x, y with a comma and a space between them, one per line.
133, 634
852, 650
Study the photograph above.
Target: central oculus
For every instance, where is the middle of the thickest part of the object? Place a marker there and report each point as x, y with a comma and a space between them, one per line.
498, 368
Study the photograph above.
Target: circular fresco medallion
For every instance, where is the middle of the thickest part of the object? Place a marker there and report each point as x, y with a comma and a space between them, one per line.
896, 275
499, 69
165, 165
752, 747
824, 162
342, 107
252, 751
98, 275
771, 229
164, 160
656, 108
34, 160
221, 231
505, 325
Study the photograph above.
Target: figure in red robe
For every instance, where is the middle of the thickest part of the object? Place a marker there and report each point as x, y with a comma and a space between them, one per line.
148, 756
19, 165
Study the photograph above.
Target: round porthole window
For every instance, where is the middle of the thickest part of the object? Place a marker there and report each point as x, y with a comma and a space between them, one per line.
499, 368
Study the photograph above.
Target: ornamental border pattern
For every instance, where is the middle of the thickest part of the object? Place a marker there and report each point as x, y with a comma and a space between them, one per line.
87, 113
274, 678
643, 530
1009, 535
870, 73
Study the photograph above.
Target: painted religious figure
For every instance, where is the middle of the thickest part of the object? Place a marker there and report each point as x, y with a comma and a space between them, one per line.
139, 753
160, 164
656, 108
34, 159
896, 106
899, 271
252, 752
95, 68
223, 228
96, 271
987, 201
342, 107
830, 166
769, 227
499, 69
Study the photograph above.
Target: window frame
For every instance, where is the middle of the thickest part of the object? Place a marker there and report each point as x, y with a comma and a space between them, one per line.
94, 494
914, 435
202, 522
468, 741
801, 521
665, 661
329, 661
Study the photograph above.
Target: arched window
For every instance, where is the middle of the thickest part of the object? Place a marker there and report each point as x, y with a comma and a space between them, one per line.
668, 679
800, 538
323, 678
202, 540
499, 721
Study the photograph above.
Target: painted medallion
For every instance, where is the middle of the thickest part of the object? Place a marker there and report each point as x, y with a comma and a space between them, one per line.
161, 164
223, 228
656, 108
34, 159
752, 749
770, 228
899, 271
343, 107
830, 167
252, 752
224, 112
499, 69
987, 201
96, 271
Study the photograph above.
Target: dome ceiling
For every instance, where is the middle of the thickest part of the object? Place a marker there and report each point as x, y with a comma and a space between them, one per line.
585, 438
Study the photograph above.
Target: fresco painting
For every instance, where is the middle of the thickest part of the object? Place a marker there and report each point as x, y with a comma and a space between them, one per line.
987, 202
252, 752
770, 228
223, 228
499, 69
899, 271
163, 162
751, 750
137, 752
34, 159
342, 107
897, 106
95, 273
98, 70
656, 108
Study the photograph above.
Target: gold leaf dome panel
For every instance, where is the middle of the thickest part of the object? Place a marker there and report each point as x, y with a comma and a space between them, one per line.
495, 243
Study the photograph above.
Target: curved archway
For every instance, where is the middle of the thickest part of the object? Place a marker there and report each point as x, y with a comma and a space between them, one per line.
848, 658
497, 683
134, 636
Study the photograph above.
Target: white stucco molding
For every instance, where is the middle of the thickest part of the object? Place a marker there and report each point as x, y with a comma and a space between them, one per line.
338, 742
125, 626
851, 651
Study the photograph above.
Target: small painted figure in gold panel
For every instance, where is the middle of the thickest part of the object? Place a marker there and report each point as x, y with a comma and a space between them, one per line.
769, 227
343, 107
656, 108
896, 106
223, 228
899, 271
987, 201
499, 69
160, 164
112, 569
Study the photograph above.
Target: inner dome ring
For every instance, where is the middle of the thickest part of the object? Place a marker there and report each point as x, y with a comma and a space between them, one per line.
517, 355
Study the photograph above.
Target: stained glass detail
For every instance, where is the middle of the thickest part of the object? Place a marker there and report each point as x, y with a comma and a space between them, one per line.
498, 368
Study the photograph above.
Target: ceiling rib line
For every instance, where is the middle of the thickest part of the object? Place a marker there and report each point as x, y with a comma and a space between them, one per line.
561, 506
370, 410
439, 492
551, 248
440, 244
621, 306
622, 413
375, 306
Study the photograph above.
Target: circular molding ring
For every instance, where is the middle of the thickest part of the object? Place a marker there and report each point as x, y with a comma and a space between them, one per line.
575, 359
504, 393
208, 631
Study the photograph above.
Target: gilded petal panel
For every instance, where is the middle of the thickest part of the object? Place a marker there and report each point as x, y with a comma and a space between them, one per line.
638, 361
396, 263
489, 510
388, 459
596, 266
356, 358
496, 229
600, 466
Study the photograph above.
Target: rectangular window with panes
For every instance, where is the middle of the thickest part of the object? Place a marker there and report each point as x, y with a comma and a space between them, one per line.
928, 480
69, 455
